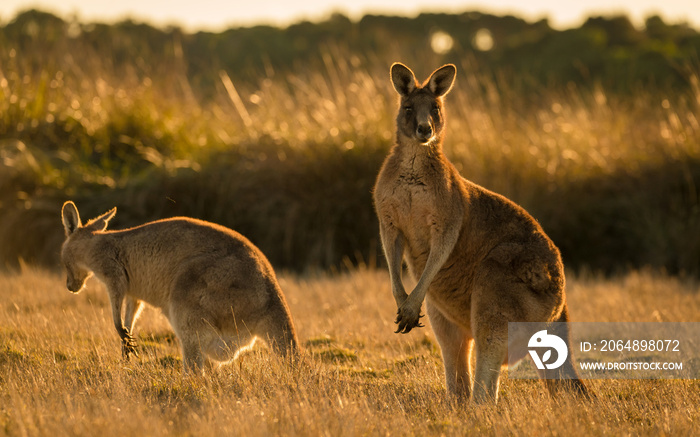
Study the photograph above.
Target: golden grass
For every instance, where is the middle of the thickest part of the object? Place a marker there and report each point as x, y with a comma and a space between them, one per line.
266, 155
61, 371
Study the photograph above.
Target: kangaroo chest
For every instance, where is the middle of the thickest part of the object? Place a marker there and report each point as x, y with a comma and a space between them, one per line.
411, 203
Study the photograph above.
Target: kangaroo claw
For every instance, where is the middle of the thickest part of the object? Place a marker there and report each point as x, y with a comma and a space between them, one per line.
407, 321
129, 347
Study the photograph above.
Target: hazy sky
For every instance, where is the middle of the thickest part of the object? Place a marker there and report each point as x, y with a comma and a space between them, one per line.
217, 14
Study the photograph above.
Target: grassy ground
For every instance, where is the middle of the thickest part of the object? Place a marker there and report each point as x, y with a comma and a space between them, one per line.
61, 371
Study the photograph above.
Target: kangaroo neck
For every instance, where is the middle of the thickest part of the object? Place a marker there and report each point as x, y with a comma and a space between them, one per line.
416, 152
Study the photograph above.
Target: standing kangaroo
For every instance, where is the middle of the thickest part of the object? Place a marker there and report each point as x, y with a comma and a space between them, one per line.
480, 260
216, 288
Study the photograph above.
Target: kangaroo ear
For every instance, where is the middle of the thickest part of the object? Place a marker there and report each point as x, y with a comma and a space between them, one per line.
70, 217
100, 223
403, 79
440, 82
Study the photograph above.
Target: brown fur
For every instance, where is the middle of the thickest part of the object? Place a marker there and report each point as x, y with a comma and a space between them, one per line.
216, 288
480, 260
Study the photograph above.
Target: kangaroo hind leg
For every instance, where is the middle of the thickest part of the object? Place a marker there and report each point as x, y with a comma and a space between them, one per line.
193, 331
490, 328
491, 351
455, 345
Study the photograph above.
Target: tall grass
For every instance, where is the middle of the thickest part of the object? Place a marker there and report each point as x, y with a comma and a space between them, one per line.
61, 370
289, 159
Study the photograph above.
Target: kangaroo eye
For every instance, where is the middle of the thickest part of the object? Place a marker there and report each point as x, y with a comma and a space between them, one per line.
436, 110
408, 109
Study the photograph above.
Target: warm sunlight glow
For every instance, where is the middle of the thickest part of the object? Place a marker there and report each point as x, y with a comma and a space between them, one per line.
483, 40
441, 42
217, 15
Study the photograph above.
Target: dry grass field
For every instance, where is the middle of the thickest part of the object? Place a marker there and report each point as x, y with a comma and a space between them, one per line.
265, 157
61, 370
289, 158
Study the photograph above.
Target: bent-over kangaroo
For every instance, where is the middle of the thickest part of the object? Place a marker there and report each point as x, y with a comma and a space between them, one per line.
216, 288
480, 260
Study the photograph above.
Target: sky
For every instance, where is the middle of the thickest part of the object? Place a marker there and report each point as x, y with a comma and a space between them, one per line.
216, 15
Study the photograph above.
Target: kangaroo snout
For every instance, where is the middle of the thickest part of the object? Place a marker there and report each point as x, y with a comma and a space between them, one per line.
424, 132
75, 283
73, 287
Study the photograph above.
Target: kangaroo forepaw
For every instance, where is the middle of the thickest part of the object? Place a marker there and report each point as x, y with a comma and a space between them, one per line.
129, 347
407, 320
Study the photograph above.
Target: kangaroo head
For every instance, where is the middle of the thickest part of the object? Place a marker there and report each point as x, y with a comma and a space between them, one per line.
74, 251
421, 115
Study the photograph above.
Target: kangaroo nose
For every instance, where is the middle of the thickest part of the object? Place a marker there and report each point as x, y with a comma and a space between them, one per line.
73, 286
424, 131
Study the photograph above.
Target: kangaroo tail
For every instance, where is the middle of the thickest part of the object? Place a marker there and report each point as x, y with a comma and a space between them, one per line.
565, 377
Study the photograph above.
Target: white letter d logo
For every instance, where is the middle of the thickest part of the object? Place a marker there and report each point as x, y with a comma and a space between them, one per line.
541, 340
